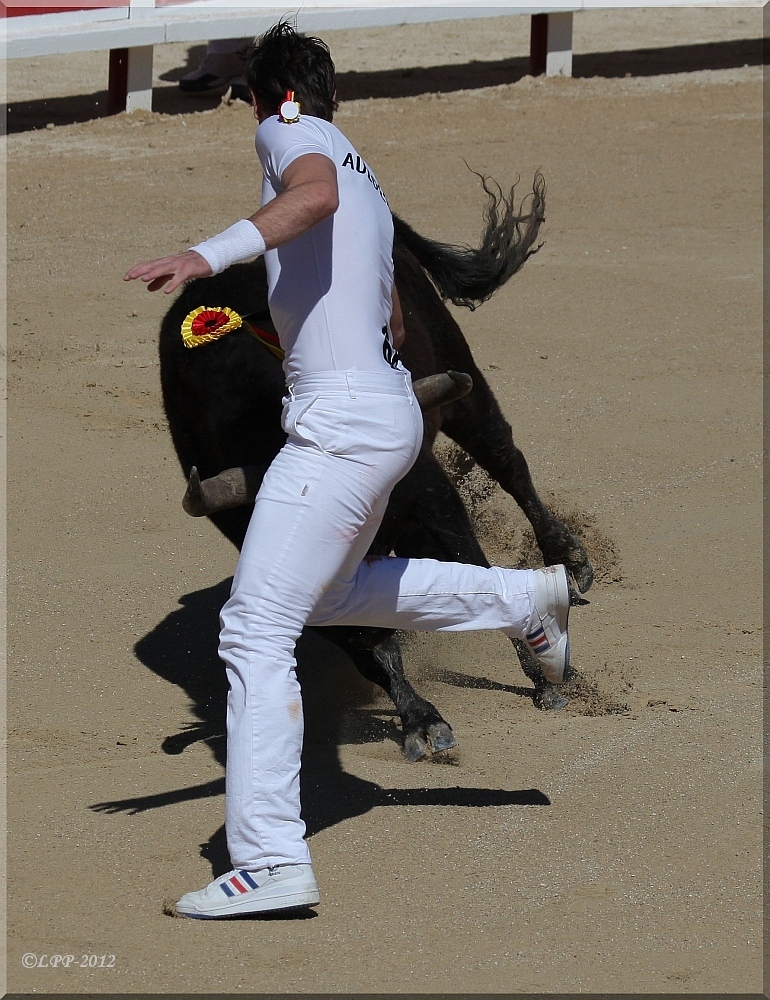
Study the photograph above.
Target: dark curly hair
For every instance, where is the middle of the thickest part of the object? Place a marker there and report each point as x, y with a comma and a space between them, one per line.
283, 59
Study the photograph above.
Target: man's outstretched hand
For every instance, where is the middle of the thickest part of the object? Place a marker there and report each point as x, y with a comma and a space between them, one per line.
171, 271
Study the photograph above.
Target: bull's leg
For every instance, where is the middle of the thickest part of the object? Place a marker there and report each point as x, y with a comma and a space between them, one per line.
426, 519
477, 425
377, 656
438, 527
547, 695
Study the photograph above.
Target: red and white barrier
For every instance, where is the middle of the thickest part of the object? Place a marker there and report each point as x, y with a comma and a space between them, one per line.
130, 30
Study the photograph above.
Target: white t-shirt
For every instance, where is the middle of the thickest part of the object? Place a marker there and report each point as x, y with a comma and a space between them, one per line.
330, 289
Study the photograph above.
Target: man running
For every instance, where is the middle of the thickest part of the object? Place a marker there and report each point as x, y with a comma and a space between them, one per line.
353, 431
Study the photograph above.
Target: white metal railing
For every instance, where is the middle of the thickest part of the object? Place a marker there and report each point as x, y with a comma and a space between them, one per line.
131, 31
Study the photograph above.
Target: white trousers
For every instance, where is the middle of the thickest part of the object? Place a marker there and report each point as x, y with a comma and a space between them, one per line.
351, 438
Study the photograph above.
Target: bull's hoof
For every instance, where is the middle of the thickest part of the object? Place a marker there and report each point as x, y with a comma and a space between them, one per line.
433, 739
583, 574
441, 737
547, 696
415, 747
577, 564
560, 545
550, 698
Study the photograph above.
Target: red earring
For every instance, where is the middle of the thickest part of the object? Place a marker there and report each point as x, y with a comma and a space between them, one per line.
289, 109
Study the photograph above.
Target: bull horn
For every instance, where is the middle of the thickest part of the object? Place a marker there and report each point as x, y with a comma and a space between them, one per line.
231, 488
193, 501
441, 389
239, 486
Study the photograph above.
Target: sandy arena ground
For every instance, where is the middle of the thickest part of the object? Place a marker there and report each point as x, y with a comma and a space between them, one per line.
610, 847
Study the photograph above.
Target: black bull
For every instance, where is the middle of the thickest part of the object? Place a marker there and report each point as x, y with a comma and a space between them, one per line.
223, 403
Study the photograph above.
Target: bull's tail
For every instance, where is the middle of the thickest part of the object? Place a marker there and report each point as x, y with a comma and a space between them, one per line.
469, 276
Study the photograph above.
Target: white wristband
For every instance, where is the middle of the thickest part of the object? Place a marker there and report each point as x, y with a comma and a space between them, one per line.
240, 242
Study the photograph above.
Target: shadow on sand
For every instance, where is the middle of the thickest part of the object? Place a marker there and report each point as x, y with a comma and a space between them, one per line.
182, 650
25, 115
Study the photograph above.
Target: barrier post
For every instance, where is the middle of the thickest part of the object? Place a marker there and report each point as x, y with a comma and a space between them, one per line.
139, 78
559, 58
117, 86
139, 69
550, 44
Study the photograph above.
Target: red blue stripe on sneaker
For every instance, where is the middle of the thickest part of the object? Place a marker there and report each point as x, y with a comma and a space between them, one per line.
240, 882
538, 641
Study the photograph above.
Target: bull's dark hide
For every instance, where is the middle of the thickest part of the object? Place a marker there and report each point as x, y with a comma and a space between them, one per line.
223, 403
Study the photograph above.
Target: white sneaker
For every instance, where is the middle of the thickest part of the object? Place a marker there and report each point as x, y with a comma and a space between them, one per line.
286, 887
546, 636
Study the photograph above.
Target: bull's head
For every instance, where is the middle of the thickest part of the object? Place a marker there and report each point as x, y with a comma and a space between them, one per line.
239, 486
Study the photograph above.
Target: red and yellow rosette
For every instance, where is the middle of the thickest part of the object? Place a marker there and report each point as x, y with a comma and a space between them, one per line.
206, 323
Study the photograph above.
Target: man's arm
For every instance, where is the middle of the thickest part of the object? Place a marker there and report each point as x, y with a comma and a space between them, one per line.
397, 321
310, 195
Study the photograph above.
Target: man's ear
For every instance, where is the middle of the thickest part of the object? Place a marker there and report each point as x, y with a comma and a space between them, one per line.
257, 107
